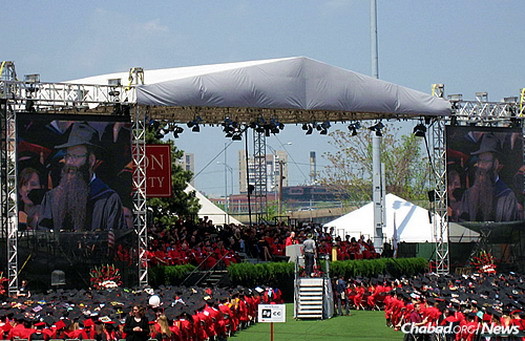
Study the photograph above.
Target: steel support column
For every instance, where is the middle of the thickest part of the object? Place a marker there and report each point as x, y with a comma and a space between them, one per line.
439, 162
260, 174
136, 76
9, 218
139, 194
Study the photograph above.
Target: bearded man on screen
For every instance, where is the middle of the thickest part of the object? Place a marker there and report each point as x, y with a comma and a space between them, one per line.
81, 201
489, 198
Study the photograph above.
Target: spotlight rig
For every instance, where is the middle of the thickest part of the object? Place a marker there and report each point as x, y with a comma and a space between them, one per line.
194, 125
377, 128
353, 127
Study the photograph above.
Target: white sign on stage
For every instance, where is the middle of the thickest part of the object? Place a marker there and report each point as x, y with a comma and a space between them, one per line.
272, 313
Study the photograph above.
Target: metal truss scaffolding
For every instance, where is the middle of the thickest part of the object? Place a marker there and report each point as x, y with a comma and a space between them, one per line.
65, 98
260, 176
139, 180
8, 194
439, 161
509, 113
8, 200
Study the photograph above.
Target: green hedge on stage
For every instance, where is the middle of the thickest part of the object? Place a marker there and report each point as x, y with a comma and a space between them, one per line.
279, 274
396, 267
274, 274
251, 275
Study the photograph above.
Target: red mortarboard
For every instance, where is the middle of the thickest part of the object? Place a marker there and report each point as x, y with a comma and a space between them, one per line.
60, 324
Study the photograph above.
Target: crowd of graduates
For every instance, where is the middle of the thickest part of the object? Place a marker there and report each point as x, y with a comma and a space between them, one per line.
211, 246
472, 306
172, 313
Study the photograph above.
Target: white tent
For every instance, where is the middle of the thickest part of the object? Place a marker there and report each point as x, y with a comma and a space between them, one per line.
210, 210
287, 83
411, 221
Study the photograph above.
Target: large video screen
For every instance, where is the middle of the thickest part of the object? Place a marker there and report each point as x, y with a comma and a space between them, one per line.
74, 178
485, 174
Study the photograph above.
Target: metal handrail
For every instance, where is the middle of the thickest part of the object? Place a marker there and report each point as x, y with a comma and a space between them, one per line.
196, 269
296, 286
211, 269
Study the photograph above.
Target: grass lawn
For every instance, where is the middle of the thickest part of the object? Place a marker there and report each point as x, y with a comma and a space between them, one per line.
362, 325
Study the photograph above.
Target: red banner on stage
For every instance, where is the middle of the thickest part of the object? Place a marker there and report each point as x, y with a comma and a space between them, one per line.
158, 170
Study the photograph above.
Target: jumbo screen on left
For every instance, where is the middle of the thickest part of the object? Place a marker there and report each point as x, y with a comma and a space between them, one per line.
74, 183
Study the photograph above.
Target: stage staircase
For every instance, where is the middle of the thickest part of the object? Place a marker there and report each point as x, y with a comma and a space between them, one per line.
310, 298
313, 297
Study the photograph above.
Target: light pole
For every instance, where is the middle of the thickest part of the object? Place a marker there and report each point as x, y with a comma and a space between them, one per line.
279, 186
226, 196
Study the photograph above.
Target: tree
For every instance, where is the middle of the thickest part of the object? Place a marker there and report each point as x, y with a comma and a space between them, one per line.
166, 211
350, 173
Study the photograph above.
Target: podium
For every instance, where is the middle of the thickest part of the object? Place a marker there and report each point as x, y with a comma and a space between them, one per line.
295, 252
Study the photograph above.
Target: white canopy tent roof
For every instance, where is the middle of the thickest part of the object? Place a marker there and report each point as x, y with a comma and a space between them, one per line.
210, 210
278, 85
411, 222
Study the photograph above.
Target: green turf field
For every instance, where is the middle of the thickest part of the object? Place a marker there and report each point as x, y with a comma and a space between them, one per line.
362, 325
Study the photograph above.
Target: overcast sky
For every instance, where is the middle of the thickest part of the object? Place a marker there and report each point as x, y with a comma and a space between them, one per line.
469, 45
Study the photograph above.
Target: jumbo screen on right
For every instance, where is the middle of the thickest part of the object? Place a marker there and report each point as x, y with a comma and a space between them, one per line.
485, 174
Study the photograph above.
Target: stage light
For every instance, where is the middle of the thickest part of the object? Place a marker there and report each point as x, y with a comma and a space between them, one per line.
32, 78
305, 126
30, 105
513, 99
515, 122
455, 97
237, 137
122, 110
114, 82
420, 130
323, 127
175, 129
194, 125
353, 128
114, 93
482, 96
438, 90
309, 130
154, 124
377, 128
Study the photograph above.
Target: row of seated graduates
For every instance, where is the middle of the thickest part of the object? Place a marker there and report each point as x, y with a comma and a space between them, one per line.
181, 313
470, 301
192, 242
202, 242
